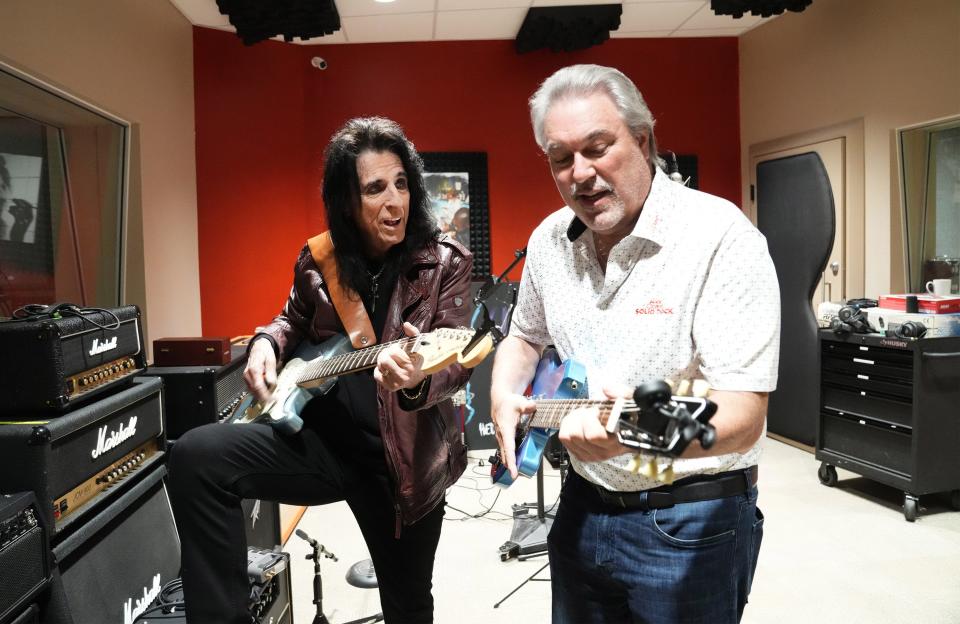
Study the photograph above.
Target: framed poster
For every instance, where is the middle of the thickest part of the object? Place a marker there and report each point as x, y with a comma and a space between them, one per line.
456, 184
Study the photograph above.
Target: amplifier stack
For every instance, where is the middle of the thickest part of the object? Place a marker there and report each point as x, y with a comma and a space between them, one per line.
85, 438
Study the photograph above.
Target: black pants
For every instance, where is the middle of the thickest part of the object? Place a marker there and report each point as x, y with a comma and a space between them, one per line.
214, 466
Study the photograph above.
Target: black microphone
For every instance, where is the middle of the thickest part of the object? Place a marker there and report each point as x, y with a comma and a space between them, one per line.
302, 535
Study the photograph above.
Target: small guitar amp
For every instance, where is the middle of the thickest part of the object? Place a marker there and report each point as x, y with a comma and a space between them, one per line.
24, 552
61, 356
191, 351
197, 395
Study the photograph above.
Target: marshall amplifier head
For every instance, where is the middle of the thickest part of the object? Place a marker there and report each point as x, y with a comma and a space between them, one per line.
198, 395
24, 553
55, 357
81, 460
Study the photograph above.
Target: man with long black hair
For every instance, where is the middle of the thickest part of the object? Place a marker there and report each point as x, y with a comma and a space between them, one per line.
387, 443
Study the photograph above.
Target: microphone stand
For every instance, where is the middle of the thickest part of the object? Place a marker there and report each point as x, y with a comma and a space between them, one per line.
487, 324
318, 549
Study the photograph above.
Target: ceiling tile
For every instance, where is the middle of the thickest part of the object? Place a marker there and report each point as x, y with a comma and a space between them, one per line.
709, 32
487, 24
542, 3
354, 8
459, 5
706, 18
650, 34
202, 12
657, 15
387, 28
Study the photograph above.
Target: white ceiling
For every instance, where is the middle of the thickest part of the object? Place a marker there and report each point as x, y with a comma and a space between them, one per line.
367, 21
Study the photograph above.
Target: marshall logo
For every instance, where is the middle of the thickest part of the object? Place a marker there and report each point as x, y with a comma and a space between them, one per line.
107, 440
102, 347
132, 609
655, 306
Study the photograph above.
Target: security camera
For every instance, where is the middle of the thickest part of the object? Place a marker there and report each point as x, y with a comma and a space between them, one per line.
318, 62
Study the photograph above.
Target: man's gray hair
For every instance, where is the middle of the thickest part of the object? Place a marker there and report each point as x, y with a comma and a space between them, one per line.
584, 80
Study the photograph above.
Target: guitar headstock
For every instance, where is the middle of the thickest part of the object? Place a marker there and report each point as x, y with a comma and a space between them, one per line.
445, 346
662, 423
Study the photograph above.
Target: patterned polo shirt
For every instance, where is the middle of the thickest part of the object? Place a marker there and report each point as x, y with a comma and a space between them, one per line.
690, 293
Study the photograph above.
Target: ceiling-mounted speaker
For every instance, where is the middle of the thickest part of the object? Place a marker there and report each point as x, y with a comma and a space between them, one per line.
760, 8
256, 20
567, 28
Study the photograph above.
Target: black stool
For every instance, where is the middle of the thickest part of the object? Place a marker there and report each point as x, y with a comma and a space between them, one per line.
361, 574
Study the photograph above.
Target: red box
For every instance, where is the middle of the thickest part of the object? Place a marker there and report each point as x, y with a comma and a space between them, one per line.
201, 351
926, 304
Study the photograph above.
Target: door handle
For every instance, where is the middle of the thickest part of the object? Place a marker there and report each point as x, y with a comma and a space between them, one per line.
835, 267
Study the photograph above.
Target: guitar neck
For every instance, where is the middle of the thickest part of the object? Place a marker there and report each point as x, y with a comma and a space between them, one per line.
551, 411
352, 362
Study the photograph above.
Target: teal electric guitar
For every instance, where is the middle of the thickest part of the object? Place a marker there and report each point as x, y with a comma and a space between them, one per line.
314, 368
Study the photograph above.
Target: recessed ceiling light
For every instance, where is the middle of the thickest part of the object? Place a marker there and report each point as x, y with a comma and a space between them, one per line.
384, 1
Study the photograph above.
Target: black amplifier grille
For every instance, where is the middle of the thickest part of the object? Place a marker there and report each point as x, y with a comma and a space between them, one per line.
230, 390
24, 553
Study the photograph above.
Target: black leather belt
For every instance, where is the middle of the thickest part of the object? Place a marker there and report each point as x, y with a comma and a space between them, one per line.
688, 490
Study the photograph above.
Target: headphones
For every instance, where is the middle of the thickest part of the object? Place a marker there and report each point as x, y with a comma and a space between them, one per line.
910, 329
851, 320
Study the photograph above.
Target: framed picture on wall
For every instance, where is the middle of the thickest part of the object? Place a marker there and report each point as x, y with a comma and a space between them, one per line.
456, 184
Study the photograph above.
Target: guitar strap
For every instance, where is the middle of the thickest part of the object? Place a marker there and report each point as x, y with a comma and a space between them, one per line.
347, 303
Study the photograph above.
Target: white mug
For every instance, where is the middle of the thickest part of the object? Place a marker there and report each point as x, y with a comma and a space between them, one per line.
939, 287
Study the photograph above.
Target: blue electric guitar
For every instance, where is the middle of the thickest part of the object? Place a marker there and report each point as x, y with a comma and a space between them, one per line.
654, 422
314, 368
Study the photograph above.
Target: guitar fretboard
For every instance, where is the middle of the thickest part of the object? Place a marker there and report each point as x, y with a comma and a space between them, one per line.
551, 411
352, 362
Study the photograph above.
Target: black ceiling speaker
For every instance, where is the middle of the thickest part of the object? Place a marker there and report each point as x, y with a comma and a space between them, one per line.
761, 8
256, 20
567, 28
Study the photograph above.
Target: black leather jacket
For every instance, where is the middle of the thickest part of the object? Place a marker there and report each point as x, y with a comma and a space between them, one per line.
425, 453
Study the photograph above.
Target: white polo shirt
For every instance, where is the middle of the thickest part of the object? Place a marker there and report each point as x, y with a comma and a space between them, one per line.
690, 293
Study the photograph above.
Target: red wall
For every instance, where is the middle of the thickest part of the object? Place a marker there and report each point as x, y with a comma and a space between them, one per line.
264, 116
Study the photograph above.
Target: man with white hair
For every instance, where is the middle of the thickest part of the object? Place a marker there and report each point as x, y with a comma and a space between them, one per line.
640, 278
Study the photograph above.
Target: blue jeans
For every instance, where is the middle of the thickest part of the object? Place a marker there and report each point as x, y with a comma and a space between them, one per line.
693, 562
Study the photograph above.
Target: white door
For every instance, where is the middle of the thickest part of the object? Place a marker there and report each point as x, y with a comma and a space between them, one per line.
832, 284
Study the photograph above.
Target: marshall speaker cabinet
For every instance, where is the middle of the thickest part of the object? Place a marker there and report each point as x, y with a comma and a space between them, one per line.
197, 395
112, 568
64, 356
24, 557
80, 460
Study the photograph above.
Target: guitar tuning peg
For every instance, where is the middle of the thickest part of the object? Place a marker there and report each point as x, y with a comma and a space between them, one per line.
666, 476
683, 388
701, 388
672, 384
634, 464
651, 469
